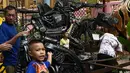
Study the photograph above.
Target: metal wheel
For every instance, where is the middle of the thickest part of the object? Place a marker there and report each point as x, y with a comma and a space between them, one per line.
66, 61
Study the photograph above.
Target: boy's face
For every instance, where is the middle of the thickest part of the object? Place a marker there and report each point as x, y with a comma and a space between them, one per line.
37, 52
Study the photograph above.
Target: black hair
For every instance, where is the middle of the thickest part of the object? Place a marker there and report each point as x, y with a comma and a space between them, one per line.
9, 7
34, 41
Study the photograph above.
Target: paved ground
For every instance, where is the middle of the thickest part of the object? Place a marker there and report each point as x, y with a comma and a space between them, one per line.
124, 60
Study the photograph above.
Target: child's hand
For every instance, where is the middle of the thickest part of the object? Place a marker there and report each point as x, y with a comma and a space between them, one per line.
49, 53
49, 57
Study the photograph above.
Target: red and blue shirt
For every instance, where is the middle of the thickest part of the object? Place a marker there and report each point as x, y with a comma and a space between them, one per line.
36, 67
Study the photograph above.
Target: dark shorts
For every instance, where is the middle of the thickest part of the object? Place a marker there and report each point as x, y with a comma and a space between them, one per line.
10, 69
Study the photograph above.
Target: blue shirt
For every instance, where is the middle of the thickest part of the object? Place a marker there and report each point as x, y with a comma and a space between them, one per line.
7, 32
32, 69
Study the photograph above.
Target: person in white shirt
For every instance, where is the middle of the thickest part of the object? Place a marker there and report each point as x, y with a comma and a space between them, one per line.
65, 41
109, 47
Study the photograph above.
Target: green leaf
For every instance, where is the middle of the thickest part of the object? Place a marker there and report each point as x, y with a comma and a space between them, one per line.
92, 1
125, 42
128, 28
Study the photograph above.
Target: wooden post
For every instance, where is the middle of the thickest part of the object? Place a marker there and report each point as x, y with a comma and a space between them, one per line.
27, 3
39, 1
104, 4
52, 3
5, 3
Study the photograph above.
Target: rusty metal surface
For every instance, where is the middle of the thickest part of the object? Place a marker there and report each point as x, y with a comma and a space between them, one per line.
108, 67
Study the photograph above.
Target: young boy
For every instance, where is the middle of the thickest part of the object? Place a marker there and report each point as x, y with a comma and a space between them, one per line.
38, 54
65, 40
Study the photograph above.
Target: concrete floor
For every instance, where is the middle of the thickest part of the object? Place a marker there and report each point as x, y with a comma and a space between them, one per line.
124, 60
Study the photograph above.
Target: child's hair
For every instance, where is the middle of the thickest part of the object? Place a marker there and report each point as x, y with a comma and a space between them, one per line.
33, 41
65, 34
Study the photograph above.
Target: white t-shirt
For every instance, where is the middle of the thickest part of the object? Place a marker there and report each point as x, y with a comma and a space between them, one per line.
65, 42
109, 45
